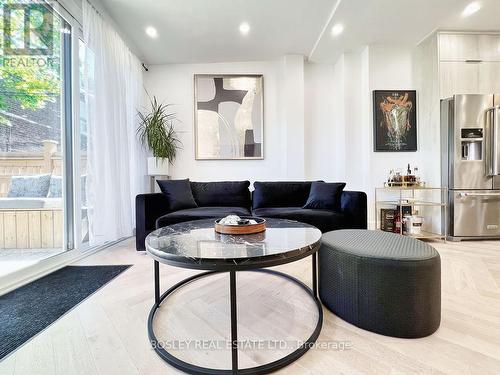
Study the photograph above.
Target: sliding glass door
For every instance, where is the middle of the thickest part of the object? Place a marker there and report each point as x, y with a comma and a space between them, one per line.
86, 68
37, 137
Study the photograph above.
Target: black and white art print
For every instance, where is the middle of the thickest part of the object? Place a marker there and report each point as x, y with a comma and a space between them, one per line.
229, 116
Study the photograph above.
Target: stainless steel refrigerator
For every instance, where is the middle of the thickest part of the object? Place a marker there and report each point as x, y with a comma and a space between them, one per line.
470, 165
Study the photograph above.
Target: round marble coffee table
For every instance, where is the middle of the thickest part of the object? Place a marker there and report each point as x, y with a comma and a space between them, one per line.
196, 245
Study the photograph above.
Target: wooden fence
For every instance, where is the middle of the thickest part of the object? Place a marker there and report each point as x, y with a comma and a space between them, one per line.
31, 228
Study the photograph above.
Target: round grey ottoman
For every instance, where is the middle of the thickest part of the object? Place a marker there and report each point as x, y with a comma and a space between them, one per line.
382, 282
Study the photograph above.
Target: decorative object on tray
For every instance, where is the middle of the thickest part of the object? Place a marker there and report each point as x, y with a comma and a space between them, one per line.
395, 120
229, 116
234, 224
398, 179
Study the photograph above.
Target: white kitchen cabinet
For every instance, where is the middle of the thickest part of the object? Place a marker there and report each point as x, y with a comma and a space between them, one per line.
463, 47
459, 47
489, 77
489, 47
458, 78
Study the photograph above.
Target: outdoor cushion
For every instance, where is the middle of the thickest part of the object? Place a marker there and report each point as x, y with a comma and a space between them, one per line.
29, 186
324, 220
178, 193
199, 213
221, 194
55, 188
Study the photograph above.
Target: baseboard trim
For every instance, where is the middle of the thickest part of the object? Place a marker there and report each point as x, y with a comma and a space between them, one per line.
44, 267
371, 224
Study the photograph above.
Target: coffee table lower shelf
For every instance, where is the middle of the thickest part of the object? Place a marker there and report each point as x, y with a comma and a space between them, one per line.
262, 369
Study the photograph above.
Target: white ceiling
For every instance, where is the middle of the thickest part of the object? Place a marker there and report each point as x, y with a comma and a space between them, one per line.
207, 30
399, 22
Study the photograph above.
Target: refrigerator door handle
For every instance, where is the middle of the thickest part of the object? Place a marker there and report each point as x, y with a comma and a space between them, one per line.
496, 134
493, 143
464, 195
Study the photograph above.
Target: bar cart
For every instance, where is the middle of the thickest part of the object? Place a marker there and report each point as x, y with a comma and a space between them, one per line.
416, 211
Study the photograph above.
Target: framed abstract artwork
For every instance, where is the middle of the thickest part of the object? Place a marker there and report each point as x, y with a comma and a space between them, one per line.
229, 116
395, 120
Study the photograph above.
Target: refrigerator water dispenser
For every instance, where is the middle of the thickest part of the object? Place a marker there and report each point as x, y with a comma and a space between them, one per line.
472, 144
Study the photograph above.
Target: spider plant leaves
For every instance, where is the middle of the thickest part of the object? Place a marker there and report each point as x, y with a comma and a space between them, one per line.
156, 130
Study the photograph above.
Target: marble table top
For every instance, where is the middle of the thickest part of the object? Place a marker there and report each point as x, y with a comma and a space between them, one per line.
195, 244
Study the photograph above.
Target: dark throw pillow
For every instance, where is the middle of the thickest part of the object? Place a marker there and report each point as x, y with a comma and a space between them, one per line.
222, 194
325, 195
178, 193
280, 193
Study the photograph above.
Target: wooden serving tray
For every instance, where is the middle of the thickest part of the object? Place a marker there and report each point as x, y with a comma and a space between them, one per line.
242, 229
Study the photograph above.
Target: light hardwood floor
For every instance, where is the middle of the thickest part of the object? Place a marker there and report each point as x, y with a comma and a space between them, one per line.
106, 334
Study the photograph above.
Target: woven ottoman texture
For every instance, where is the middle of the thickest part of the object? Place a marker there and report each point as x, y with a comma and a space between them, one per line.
382, 282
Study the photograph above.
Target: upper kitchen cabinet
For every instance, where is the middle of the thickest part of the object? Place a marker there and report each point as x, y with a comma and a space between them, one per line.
489, 47
458, 47
464, 47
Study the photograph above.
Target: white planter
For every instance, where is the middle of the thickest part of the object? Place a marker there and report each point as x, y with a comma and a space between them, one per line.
158, 167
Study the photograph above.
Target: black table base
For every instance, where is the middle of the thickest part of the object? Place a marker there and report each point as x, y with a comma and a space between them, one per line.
263, 369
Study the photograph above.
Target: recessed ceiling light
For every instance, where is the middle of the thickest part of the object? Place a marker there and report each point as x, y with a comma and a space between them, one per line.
244, 28
337, 29
471, 9
151, 32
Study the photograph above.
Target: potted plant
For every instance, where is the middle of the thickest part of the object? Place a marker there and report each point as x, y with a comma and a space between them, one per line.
156, 132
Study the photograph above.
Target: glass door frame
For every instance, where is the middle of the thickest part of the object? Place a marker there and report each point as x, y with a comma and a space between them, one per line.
70, 130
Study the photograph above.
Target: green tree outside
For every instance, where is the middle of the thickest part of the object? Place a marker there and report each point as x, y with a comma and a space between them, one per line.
28, 81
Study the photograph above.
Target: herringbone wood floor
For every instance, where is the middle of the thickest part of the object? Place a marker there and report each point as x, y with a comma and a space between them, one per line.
106, 334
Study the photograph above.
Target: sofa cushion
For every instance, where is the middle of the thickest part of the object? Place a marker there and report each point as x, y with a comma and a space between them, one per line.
324, 220
200, 213
222, 194
325, 195
280, 194
178, 193
29, 186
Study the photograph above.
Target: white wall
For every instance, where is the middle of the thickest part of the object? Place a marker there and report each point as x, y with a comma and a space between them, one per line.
357, 115
320, 125
318, 119
391, 68
426, 76
174, 84
339, 118
293, 115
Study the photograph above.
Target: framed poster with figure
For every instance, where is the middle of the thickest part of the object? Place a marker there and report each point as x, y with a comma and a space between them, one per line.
229, 116
395, 120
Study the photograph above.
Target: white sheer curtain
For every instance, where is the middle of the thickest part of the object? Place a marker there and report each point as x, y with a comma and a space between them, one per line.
116, 161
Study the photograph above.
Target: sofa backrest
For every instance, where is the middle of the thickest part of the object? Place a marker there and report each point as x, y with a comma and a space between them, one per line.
280, 194
222, 194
